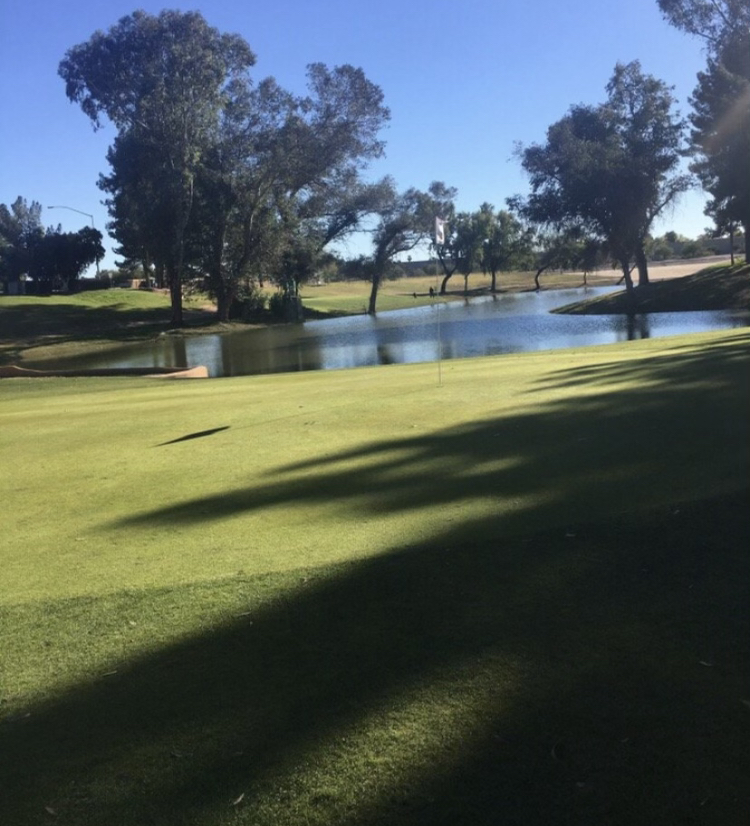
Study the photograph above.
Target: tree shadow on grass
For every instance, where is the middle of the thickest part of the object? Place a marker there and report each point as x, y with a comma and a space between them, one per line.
611, 448
488, 675
27, 325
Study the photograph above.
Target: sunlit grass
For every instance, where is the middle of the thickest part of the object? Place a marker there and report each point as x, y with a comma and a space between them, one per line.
369, 596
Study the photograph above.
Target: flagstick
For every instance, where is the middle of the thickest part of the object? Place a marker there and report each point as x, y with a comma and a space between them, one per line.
439, 336
439, 237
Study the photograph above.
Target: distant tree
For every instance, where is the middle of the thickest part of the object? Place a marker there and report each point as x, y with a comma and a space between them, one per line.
724, 223
60, 258
281, 181
659, 249
609, 170
52, 258
445, 211
467, 247
564, 251
162, 81
405, 221
20, 232
506, 244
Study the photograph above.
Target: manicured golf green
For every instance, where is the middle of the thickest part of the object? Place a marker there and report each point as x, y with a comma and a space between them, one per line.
512, 591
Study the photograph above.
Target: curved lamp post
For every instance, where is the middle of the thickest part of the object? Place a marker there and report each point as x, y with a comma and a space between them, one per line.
80, 212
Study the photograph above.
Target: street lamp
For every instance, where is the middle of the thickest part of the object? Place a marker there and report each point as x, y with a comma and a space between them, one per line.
80, 212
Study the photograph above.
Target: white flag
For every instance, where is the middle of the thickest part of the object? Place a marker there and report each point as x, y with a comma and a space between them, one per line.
439, 231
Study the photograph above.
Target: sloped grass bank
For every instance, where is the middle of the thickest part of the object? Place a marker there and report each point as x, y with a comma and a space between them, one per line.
364, 598
715, 288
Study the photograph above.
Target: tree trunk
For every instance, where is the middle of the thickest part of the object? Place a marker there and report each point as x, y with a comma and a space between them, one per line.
373, 294
223, 303
745, 227
536, 277
444, 284
175, 295
642, 264
493, 285
625, 266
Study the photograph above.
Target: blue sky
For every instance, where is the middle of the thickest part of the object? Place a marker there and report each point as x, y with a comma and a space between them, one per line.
464, 82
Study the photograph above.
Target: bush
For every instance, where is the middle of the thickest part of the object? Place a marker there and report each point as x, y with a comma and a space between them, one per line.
249, 304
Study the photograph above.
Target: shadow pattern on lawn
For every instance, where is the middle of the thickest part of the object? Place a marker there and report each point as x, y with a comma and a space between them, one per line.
571, 646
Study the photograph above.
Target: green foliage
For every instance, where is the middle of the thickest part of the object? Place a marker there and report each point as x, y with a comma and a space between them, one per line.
162, 81
406, 220
721, 106
52, 258
721, 134
609, 170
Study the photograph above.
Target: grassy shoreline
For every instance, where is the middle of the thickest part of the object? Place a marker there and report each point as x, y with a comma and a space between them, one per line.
38, 330
716, 288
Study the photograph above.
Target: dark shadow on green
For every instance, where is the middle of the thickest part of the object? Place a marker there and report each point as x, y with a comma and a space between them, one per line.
199, 435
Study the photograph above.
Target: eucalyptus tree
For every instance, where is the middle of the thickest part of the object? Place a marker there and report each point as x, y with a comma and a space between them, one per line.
609, 170
162, 81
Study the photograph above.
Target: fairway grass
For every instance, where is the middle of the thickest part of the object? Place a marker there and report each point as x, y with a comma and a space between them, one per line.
514, 591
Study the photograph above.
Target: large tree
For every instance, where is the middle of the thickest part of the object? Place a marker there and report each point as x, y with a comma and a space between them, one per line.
721, 104
406, 220
282, 179
721, 134
609, 170
162, 81
715, 21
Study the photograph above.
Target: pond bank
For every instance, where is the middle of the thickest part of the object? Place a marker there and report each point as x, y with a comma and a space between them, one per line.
721, 288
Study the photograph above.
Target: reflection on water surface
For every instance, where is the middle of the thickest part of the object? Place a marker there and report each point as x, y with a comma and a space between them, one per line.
490, 325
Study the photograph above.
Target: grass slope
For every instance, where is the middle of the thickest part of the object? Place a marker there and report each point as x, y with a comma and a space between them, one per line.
363, 597
715, 288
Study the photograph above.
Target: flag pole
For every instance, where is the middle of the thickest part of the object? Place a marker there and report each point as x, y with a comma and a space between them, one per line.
439, 236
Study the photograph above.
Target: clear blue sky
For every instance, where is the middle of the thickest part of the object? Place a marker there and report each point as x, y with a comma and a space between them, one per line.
464, 82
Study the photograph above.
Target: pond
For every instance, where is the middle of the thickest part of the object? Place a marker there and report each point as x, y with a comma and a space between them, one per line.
483, 326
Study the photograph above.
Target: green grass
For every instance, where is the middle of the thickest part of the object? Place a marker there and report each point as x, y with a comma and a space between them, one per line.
37, 328
351, 297
715, 288
364, 597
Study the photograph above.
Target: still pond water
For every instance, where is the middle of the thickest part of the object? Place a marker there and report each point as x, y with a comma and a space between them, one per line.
482, 326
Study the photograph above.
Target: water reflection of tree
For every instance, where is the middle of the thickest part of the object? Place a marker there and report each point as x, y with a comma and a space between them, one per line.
638, 327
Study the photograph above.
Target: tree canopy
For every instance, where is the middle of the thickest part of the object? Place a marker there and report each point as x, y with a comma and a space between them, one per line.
609, 170
213, 175
52, 258
721, 105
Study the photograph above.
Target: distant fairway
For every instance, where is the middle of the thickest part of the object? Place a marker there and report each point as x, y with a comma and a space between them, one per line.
364, 597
